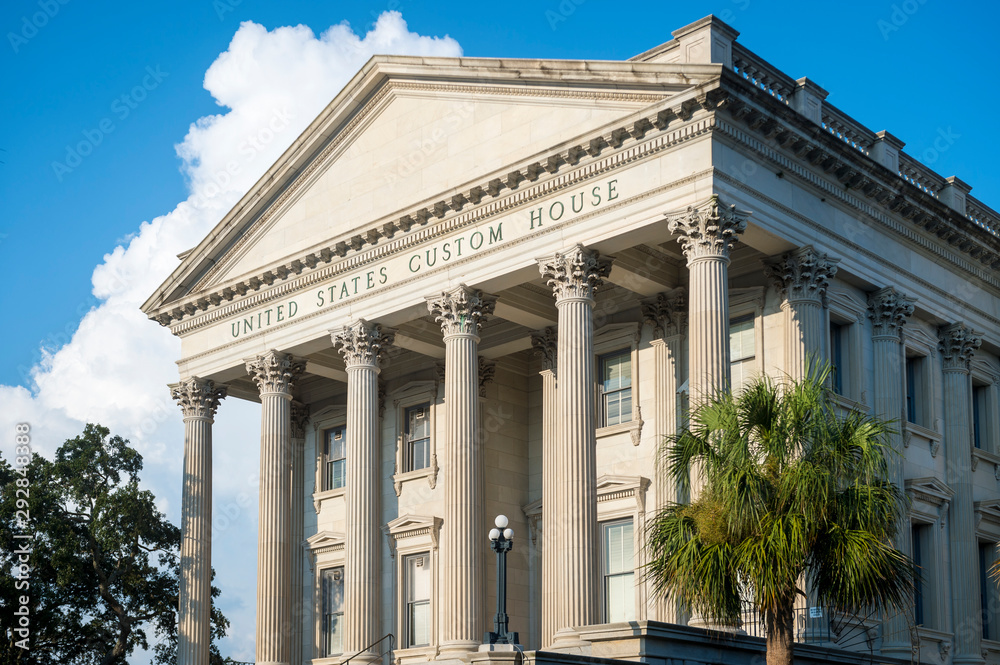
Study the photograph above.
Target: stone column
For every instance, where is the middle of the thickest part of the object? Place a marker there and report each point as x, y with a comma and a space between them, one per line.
198, 399
667, 314
361, 344
707, 234
888, 309
802, 276
544, 343
300, 607
460, 313
958, 344
275, 374
574, 276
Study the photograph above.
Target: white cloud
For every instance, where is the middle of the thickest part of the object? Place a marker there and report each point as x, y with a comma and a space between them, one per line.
115, 368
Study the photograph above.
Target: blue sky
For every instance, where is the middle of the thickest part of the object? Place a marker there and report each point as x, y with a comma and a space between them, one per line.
113, 126
926, 69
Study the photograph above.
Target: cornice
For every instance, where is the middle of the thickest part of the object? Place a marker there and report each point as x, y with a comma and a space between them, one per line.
671, 124
755, 112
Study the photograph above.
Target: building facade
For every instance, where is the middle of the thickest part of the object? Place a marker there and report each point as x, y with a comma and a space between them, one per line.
481, 286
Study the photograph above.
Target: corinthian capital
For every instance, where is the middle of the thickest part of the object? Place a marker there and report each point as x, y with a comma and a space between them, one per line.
487, 372
198, 398
957, 344
363, 343
888, 309
667, 313
576, 273
275, 372
802, 274
461, 310
300, 416
544, 343
709, 229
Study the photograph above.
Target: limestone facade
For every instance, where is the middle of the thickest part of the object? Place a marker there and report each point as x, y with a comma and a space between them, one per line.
478, 286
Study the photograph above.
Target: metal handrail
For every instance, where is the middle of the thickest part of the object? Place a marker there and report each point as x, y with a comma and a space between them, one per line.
387, 636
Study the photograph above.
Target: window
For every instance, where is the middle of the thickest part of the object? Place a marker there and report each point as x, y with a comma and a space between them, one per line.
915, 390
619, 572
333, 611
616, 387
418, 437
838, 354
980, 411
742, 351
987, 590
334, 458
417, 582
921, 539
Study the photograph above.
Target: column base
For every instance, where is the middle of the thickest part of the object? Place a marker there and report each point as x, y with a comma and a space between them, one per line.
362, 657
968, 659
457, 651
498, 654
708, 624
568, 640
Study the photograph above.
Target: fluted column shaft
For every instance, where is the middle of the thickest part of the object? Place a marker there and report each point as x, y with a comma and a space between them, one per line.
544, 343
274, 374
574, 276
889, 311
958, 343
361, 344
299, 415
460, 313
199, 400
802, 276
667, 313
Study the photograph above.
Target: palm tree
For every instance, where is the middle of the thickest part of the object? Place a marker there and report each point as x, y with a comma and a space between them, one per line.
791, 491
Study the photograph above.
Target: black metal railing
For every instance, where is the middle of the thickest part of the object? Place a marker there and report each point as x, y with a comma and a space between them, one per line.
381, 655
821, 625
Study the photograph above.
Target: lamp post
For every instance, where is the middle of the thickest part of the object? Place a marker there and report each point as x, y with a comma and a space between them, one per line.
501, 542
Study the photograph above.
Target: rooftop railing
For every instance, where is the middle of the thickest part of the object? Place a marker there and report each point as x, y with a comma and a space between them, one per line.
847, 129
762, 74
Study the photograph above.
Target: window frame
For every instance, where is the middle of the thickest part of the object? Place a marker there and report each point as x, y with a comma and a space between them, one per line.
929, 502
621, 498
602, 404
917, 344
743, 304
408, 441
324, 421
404, 398
326, 551
850, 314
603, 562
407, 639
611, 339
323, 635
985, 407
409, 535
329, 461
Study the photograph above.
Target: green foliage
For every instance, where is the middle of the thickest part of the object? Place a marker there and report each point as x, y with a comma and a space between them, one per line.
103, 559
791, 490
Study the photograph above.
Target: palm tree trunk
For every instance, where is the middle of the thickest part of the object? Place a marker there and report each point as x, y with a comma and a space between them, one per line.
779, 630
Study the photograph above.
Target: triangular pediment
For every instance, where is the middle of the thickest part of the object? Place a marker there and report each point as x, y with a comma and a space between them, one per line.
409, 139
611, 487
325, 540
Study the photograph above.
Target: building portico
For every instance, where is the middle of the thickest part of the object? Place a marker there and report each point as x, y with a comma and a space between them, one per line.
590, 248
